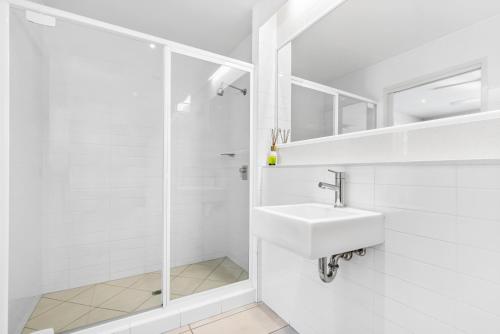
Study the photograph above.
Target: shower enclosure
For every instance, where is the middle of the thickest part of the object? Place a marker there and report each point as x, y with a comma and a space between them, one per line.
128, 161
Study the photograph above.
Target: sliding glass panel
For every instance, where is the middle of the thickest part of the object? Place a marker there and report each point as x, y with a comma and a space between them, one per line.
209, 166
356, 115
312, 113
87, 175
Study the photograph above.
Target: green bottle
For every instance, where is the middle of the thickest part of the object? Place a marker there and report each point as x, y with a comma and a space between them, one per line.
272, 158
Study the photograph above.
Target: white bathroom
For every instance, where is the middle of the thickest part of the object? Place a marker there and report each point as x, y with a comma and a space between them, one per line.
249, 166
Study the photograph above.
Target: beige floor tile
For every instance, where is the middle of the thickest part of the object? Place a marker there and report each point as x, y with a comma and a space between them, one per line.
151, 303
286, 330
225, 274
58, 317
257, 320
27, 331
181, 330
99, 314
148, 283
96, 315
44, 304
243, 276
185, 285
208, 285
127, 301
65, 295
118, 297
125, 282
197, 271
97, 295
223, 315
229, 263
154, 274
78, 323
177, 270
212, 263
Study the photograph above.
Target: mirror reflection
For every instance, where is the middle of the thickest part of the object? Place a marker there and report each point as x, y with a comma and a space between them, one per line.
403, 61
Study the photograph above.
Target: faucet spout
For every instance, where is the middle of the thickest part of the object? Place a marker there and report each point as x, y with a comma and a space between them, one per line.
338, 188
324, 185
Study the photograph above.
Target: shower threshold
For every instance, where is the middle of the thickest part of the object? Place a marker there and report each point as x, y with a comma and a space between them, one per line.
85, 306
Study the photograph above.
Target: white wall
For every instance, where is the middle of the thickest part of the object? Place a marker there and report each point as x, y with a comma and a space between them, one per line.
434, 274
237, 124
462, 47
28, 113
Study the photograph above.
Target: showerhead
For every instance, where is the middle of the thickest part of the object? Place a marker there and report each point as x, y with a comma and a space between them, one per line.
221, 89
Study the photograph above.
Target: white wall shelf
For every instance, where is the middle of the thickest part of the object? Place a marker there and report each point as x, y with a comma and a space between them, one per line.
473, 137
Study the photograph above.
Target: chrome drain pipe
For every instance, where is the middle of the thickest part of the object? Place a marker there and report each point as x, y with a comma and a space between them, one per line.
328, 267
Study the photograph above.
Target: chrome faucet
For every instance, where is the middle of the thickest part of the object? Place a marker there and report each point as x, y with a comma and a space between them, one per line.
338, 187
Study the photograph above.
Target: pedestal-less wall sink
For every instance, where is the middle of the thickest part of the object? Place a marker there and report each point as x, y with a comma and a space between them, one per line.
315, 230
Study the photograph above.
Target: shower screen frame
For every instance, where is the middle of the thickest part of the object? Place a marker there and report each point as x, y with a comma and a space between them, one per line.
168, 48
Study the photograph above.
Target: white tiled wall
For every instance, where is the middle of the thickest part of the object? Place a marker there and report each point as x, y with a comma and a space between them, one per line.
27, 115
209, 199
436, 272
103, 158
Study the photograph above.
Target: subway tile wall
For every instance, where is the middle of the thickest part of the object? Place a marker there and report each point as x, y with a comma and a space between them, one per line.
436, 272
209, 198
102, 169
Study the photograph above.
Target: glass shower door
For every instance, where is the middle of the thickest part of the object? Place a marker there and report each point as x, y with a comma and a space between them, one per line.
209, 221
87, 175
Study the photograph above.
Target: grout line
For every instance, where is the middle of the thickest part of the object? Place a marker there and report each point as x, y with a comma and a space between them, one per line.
31, 315
454, 270
439, 293
205, 279
228, 315
84, 315
406, 208
411, 307
413, 234
98, 306
279, 329
183, 270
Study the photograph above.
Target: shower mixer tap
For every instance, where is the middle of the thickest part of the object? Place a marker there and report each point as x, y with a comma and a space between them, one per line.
244, 172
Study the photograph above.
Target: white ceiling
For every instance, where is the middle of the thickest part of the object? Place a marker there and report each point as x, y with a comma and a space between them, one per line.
360, 33
215, 25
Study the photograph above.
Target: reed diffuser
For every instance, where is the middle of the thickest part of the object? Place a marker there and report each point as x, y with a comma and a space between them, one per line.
272, 157
284, 135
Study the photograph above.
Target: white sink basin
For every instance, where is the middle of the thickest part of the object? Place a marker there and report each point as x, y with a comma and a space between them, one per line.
317, 230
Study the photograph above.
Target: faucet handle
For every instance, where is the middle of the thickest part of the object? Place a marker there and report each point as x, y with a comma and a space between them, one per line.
340, 175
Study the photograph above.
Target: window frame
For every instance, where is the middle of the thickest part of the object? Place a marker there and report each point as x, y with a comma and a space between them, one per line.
481, 64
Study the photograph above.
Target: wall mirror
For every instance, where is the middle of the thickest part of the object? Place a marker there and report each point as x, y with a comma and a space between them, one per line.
402, 61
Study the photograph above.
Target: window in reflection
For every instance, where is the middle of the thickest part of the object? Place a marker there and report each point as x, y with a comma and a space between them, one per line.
447, 96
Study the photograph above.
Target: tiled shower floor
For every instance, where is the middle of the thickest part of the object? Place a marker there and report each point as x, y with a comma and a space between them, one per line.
69, 309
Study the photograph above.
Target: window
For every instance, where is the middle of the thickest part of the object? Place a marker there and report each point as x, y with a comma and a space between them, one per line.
455, 93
